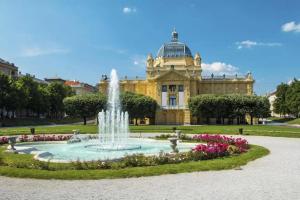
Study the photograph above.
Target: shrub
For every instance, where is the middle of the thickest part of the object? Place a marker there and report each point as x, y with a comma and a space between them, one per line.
241, 143
164, 136
1, 160
212, 150
77, 165
37, 138
135, 160
41, 165
3, 140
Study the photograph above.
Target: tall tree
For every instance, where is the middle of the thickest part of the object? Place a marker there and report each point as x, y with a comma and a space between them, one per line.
229, 106
138, 106
84, 106
280, 103
5, 89
57, 92
293, 98
28, 90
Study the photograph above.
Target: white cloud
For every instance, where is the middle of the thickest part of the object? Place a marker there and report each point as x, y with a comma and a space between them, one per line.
249, 44
219, 68
128, 10
291, 27
38, 51
139, 61
114, 50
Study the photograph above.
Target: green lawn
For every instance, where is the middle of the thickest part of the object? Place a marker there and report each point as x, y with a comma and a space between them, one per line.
37, 121
255, 152
294, 121
276, 131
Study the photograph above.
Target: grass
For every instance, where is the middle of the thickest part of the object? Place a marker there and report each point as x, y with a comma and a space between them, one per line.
260, 130
285, 120
294, 121
231, 162
37, 121
280, 119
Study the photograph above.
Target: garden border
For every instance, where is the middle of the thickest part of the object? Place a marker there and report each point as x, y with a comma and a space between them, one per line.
230, 162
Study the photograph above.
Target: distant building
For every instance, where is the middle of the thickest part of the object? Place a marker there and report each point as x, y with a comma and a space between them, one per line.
80, 88
41, 81
175, 75
272, 97
55, 79
8, 68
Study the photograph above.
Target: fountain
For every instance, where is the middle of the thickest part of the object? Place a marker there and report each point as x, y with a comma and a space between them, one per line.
113, 140
113, 123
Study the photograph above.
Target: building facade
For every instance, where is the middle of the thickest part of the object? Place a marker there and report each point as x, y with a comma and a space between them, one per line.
8, 68
175, 75
80, 88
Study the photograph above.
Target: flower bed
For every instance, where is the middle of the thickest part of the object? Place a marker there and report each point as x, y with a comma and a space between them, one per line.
37, 138
216, 146
3, 140
240, 143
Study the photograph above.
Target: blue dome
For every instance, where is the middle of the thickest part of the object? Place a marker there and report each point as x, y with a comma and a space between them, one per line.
174, 48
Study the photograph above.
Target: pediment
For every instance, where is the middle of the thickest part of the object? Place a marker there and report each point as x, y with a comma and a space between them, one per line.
172, 75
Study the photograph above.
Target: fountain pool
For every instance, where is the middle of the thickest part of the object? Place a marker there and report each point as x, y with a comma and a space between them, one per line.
113, 137
64, 152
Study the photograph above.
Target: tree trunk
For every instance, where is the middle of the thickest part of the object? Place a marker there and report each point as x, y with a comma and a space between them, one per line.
97, 120
251, 120
136, 121
84, 120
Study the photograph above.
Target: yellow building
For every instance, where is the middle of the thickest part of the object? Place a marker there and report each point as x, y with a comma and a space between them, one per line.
8, 68
174, 76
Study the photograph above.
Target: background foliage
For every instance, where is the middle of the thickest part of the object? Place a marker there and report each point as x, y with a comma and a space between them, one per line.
229, 106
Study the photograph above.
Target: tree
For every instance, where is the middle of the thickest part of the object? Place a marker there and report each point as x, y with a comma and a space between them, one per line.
138, 106
28, 91
258, 107
203, 106
57, 92
43, 105
5, 89
84, 106
15, 101
229, 106
280, 103
293, 98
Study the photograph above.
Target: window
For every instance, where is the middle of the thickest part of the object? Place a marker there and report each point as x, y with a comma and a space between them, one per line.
172, 101
172, 88
164, 88
180, 88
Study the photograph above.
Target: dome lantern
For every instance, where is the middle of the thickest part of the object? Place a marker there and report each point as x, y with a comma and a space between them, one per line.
174, 36
174, 48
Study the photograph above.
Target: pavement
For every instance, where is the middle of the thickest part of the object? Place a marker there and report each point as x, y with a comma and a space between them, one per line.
276, 177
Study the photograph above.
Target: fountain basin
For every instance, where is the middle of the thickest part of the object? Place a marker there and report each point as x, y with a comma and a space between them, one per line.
111, 147
64, 152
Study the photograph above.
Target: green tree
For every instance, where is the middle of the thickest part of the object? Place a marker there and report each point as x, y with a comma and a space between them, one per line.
293, 98
280, 103
257, 106
15, 101
56, 94
84, 106
28, 92
43, 105
138, 106
229, 106
203, 106
5, 89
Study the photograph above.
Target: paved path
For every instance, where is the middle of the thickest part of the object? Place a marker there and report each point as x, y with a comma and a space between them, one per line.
276, 176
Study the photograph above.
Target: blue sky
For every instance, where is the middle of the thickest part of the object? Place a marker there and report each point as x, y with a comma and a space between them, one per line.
84, 39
